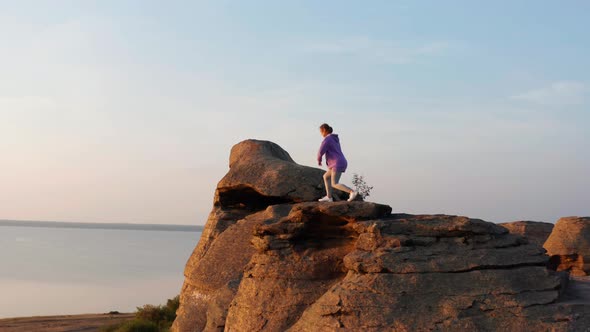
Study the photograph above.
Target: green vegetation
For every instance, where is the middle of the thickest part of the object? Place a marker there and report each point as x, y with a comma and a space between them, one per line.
149, 318
361, 186
135, 325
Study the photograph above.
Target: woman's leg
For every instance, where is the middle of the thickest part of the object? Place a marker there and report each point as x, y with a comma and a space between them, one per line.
335, 178
327, 177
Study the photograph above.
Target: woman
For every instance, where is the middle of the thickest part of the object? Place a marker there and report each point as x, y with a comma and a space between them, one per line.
336, 163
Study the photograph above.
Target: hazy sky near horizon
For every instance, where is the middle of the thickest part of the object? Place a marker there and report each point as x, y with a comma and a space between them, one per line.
125, 111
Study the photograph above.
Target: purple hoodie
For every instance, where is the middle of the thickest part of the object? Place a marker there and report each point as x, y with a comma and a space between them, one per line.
334, 156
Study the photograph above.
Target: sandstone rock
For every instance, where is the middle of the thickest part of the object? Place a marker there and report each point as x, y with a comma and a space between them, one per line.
274, 259
261, 174
569, 245
418, 273
535, 231
299, 256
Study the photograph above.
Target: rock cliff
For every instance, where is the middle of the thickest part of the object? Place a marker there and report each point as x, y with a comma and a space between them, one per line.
569, 245
271, 258
535, 231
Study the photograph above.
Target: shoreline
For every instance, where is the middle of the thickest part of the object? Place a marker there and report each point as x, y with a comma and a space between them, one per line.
62, 323
94, 225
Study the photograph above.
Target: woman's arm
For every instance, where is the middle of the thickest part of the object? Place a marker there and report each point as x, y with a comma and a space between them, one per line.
322, 151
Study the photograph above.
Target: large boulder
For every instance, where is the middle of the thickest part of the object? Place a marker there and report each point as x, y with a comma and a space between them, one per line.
272, 258
535, 231
569, 245
261, 173
438, 272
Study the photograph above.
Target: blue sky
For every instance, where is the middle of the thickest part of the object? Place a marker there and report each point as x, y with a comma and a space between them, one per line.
125, 111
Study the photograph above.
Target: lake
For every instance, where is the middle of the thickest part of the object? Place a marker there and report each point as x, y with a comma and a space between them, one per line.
85, 269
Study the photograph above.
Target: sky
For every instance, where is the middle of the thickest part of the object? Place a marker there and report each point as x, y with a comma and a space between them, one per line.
125, 111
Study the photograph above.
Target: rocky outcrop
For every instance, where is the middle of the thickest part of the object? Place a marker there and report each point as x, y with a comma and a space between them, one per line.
261, 174
535, 231
280, 261
569, 246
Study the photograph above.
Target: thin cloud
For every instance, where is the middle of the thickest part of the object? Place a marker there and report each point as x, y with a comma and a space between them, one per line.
387, 52
561, 93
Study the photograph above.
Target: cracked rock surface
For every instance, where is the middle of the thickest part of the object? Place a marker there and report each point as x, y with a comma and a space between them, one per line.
272, 258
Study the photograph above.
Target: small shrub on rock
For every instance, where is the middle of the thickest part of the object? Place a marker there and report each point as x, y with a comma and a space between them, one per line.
361, 186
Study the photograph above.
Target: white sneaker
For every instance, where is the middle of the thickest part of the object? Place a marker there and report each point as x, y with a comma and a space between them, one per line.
325, 199
352, 196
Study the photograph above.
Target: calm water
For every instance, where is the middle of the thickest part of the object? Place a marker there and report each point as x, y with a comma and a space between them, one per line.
46, 271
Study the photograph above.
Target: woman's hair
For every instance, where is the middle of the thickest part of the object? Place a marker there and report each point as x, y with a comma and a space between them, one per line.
327, 128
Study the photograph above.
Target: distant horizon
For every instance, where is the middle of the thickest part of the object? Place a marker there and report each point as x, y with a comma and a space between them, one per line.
81, 224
